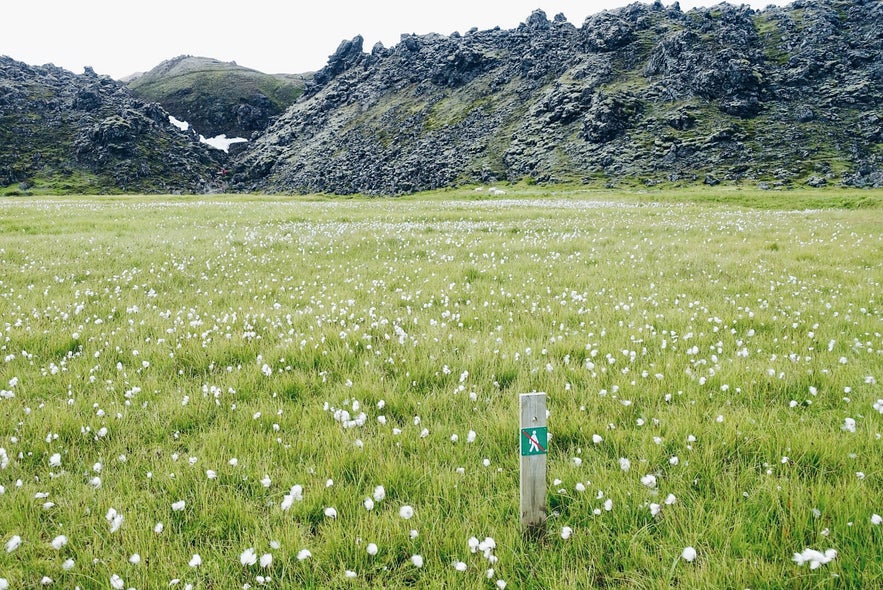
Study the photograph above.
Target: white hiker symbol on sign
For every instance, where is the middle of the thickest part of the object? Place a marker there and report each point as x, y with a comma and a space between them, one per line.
530, 441
534, 443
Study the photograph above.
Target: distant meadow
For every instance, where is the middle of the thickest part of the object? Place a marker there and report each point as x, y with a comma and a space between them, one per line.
315, 392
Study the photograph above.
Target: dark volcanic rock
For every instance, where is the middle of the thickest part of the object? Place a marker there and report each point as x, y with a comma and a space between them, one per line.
643, 93
74, 133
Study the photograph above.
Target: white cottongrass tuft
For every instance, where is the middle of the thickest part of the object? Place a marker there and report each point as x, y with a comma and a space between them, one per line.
115, 519
417, 560
178, 506
13, 543
134, 559
369, 504
688, 554
4, 584
460, 566
304, 554
266, 560
67, 565
876, 519
624, 464
248, 557
406, 512
649, 480
848, 425
116, 582
379, 493
350, 574
371, 549
296, 494
158, 528
59, 542
331, 512
814, 558
566, 532
55, 460
195, 561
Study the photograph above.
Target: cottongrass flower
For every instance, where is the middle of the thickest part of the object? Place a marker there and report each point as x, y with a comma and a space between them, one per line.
115, 519
55, 460
369, 504
814, 558
417, 560
134, 559
248, 557
331, 512
501, 584
304, 554
350, 574
13, 543
406, 512
624, 464
688, 554
295, 494
68, 565
211, 473
116, 582
649, 480
59, 542
158, 528
566, 532
178, 506
473, 543
876, 519
371, 549
265, 481
4, 584
460, 566
848, 425
46, 581
195, 561
266, 560
379, 493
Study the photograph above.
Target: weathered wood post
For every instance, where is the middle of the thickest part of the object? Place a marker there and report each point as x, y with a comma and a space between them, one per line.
533, 443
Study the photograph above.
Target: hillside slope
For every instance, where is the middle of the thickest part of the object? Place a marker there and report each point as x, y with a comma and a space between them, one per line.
218, 97
643, 94
63, 132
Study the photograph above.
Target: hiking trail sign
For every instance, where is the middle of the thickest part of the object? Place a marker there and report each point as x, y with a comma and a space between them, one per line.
534, 443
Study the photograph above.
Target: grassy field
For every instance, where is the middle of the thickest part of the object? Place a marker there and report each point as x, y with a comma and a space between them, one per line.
234, 392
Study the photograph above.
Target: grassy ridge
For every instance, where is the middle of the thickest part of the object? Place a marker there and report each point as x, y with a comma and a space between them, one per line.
722, 350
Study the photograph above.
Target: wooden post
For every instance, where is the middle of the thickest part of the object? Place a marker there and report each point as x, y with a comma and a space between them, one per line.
533, 437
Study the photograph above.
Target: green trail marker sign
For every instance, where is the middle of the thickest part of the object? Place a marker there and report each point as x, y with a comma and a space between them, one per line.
534, 441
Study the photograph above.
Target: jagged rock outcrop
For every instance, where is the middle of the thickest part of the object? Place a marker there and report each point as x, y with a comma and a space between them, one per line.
88, 133
782, 96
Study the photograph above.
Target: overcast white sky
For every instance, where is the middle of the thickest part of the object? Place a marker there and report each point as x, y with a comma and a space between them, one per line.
119, 38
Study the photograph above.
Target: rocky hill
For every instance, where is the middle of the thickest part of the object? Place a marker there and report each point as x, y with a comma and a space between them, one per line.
643, 94
218, 97
87, 133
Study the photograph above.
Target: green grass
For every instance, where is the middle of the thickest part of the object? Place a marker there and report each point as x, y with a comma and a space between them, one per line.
734, 330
